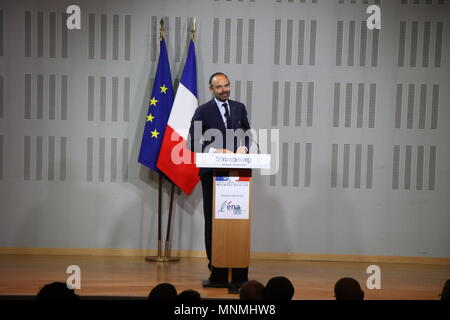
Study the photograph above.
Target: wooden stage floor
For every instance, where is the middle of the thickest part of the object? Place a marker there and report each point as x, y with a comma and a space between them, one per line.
134, 277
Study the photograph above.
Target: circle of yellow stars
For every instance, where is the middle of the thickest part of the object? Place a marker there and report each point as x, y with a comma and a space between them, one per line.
153, 102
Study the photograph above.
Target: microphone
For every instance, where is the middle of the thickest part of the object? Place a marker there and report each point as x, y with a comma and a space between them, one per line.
250, 136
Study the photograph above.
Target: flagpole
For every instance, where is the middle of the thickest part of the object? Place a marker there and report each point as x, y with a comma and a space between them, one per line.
160, 257
167, 256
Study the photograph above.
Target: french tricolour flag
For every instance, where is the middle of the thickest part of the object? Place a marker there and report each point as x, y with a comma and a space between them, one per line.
175, 160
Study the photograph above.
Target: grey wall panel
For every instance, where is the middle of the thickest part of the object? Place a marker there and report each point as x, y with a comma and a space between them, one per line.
362, 119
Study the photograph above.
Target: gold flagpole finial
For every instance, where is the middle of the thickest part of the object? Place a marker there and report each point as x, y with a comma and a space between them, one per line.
194, 26
161, 29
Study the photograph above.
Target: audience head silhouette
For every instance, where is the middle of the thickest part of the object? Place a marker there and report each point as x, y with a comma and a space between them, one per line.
57, 291
163, 291
251, 290
278, 288
445, 294
189, 295
348, 289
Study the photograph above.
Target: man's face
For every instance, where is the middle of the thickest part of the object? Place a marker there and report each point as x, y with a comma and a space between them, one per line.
220, 87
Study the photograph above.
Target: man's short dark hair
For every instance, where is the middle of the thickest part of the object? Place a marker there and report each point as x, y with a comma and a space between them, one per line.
163, 291
57, 291
216, 74
348, 289
279, 288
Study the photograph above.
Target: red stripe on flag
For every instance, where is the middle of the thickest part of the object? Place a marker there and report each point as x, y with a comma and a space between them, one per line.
177, 162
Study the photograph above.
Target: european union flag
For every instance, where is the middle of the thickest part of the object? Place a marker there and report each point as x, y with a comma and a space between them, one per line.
158, 113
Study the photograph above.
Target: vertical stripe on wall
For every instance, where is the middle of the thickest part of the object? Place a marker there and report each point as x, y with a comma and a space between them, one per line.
52, 35
438, 44
301, 42
1, 34
287, 102
101, 160
419, 173
40, 34
127, 37
115, 38
126, 99
91, 36
251, 41
408, 160
215, 55
2, 96
102, 98
64, 98
90, 159
310, 105
351, 43
103, 36
113, 161
358, 156
64, 36
275, 88
398, 106
298, 104
337, 101
154, 37
51, 158
401, 45
426, 43
284, 164
375, 37
396, 168
360, 106
369, 169
312, 43
414, 36
39, 157
40, 96
239, 33
339, 42
27, 34
125, 152
91, 84
249, 99
308, 163
277, 44
1, 157
432, 168
115, 98
227, 49
296, 175
52, 97
348, 105
63, 159
27, 96
334, 164
372, 97
363, 44
434, 107
27, 158
410, 111
289, 29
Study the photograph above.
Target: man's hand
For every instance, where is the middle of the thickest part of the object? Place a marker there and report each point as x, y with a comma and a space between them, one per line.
223, 151
241, 149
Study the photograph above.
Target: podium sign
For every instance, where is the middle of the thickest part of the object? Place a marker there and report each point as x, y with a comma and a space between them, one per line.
232, 160
232, 198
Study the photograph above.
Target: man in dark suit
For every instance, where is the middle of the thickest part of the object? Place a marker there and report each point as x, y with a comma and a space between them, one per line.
222, 115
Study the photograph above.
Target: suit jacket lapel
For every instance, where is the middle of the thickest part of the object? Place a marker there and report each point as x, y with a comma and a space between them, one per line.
219, 119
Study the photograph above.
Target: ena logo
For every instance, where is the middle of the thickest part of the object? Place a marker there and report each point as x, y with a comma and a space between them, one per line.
228, 206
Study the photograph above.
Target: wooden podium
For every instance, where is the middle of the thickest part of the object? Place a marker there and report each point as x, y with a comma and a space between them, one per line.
232, 198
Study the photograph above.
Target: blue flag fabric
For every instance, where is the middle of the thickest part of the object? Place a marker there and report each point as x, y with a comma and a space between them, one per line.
160, 105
